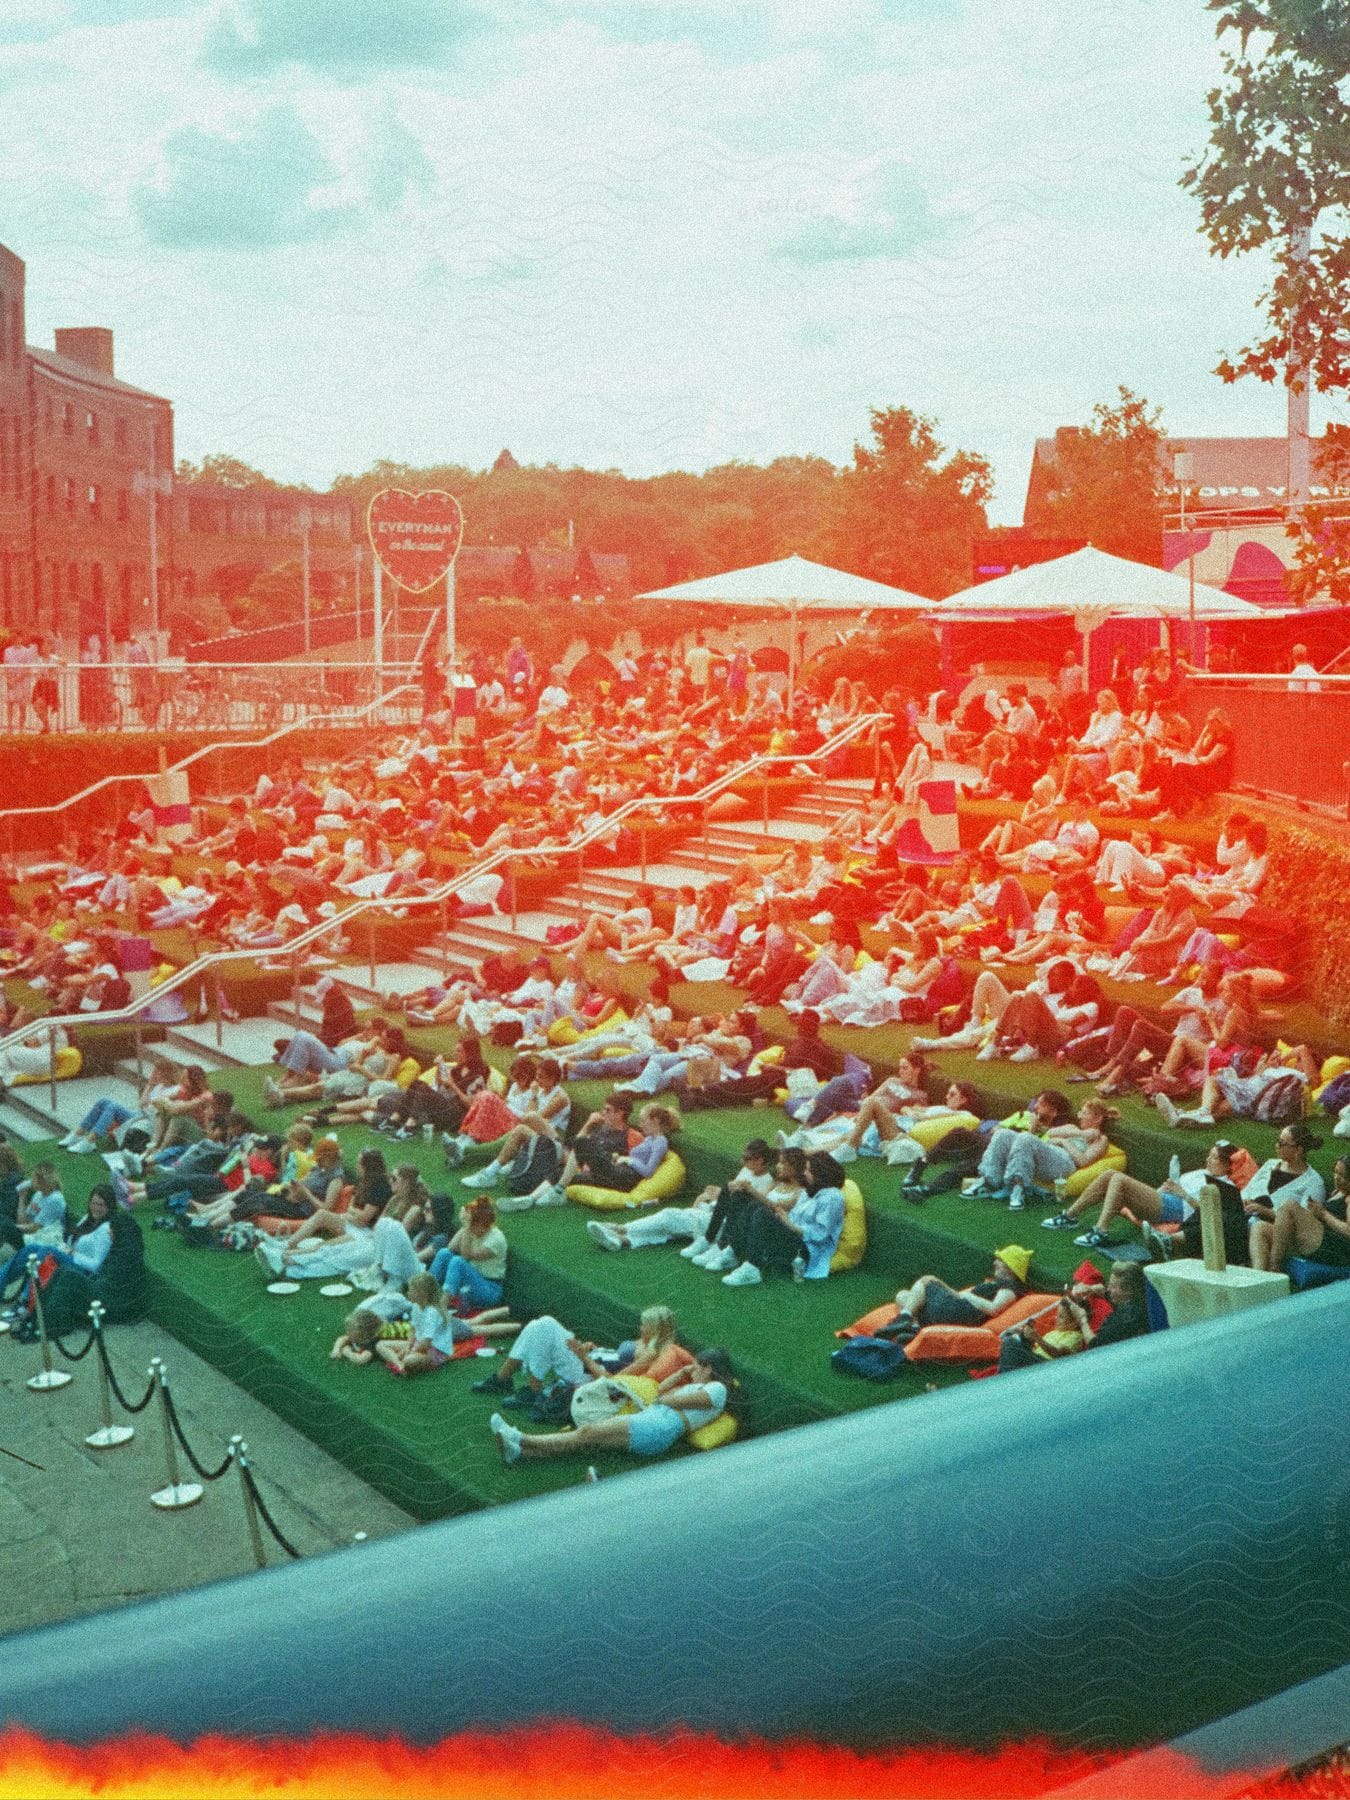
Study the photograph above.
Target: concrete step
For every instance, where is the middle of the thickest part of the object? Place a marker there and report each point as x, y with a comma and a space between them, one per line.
243, 1043
30, 1113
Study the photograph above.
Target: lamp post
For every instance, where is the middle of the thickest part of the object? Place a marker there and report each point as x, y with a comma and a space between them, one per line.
305, 519
1183, 467
152, 486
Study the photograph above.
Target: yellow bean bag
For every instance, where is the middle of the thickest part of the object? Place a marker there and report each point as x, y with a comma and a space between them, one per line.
713, 1435
408, 1071
69, 1062
852, 1246
929, 1132
642, 1387
663, 1183
1082, 1179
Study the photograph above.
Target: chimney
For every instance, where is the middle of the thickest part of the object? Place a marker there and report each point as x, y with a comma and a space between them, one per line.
91, 345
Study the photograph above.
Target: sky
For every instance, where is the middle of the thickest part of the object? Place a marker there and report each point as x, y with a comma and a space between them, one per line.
645, 235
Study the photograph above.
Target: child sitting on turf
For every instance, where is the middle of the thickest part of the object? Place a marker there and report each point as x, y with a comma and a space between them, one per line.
436, 1330
362, 1331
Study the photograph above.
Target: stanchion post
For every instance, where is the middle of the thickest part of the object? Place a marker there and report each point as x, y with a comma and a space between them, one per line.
445, 935
644, 846
108, 1435
239, 1451
47, 1378
51, 1057
177, 1493
295, 988
370, 947
515, 891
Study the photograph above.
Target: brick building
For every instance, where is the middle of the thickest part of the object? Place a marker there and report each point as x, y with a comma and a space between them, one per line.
79, 450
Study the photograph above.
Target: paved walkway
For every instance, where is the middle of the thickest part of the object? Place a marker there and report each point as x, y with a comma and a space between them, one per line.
77, 1531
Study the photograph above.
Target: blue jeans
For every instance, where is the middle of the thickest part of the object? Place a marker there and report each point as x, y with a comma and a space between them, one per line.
17, 1262
102, 1116
1019, 1156
602, 1068
462, 1280
308, 1055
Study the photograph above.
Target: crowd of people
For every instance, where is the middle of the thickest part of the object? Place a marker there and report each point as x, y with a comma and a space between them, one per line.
1022, 949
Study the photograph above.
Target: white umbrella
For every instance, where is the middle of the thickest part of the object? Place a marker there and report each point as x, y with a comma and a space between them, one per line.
794, 582
1093, 586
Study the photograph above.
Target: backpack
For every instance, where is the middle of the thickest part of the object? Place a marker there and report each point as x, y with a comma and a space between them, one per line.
1281, 1100
875, 1359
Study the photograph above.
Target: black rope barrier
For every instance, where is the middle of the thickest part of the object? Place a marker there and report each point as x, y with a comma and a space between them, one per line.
121, 1399
74, 1355
266, 1516
199, 1468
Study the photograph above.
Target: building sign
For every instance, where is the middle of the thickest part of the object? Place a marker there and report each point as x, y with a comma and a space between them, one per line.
415, 536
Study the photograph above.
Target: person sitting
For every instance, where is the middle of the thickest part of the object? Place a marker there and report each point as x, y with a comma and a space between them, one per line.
1017, 1160
802, 1238
929, 1300
1287, 1180
686, 1400
1170, 1203
755, 1178
1317, 1230
1024, 1347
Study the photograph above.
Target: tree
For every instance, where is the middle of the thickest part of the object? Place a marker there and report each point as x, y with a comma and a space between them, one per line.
1109, 482
226, 471
1278, 167
904, 515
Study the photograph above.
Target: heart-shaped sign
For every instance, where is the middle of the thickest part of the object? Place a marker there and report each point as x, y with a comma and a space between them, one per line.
415, 536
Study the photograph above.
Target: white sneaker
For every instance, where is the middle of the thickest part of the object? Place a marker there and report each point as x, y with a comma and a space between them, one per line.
1167, 1107
845, 1154
747, 1275
268, 1258
711, 1258
272, 1093
699, 1247
1342, 1126
508, 1439
486, 1178
81, 1146
510, 1202
1024, 1053
987, 1053
553, 1195
68, 1141
1017, 1199
603, 1235
902, 1152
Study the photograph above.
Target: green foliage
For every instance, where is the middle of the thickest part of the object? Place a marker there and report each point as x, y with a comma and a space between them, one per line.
1278, 163
1321, 538
892, 654
1109, 482
228, 471
1307, 879
906, 512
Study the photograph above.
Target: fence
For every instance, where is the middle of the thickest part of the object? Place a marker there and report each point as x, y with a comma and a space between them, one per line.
1290, 745
199, 696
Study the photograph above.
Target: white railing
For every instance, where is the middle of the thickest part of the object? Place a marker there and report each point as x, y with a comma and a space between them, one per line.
398, 905
311, 723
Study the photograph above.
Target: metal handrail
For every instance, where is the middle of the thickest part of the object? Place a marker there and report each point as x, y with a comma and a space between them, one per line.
1286, 681
400, 903
309, 724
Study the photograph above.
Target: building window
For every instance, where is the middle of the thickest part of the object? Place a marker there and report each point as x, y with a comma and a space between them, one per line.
95, 502
68, 419
73, 585
51, 493
120, 434
123, 507
91, 426
70, 495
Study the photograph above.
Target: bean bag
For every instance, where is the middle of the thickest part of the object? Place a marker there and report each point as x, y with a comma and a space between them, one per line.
69, 1062
973, 1343
663, 1183
407, 1072
729, 806
1305, 1273
930, 1132
1025, 1308
712, 1436
852, 1245
1081, 1179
